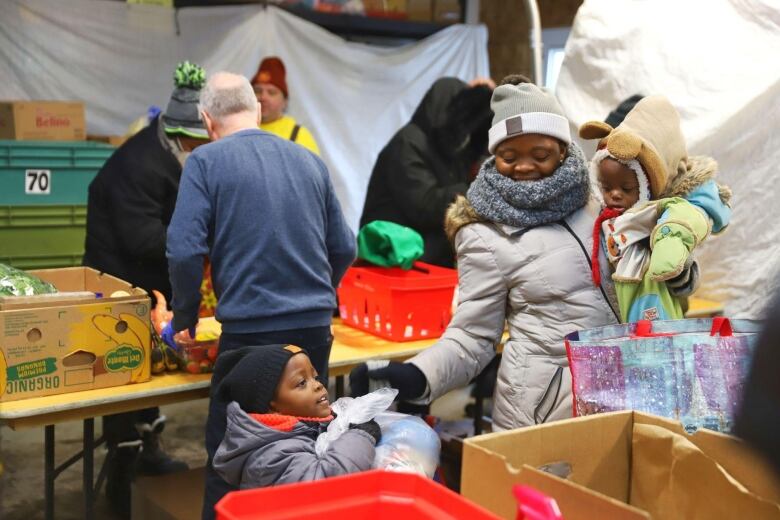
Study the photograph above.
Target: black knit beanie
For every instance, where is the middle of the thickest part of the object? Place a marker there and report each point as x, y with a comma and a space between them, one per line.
250, 375
619, 113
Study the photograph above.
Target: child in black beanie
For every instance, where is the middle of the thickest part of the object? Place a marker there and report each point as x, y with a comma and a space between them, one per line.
277, 410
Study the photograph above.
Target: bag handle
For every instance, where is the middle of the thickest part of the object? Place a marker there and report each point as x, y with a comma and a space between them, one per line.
721, 326
644, 329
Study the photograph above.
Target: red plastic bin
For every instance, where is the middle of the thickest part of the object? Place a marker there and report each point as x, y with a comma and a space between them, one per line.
372, 495
396, 304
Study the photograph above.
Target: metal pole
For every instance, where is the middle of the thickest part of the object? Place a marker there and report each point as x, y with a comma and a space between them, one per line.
48, 471
535, 36
87, 474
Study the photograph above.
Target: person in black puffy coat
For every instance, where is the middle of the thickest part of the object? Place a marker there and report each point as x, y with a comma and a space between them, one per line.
430, 161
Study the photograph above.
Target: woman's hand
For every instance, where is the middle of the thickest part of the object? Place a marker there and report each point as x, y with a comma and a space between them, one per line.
405, 377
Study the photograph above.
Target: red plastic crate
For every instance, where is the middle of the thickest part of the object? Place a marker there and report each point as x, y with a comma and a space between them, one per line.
372, 495
396, 304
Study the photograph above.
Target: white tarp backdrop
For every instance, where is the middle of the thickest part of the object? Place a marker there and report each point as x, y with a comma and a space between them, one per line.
717, 61
119, 59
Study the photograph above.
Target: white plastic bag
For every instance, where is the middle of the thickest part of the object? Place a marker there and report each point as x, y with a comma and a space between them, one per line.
408, 445
356, 410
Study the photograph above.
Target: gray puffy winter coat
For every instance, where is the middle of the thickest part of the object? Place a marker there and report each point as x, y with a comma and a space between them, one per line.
255, 455
538, 282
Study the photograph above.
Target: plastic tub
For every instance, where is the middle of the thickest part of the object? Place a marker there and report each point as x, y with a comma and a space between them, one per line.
372, 495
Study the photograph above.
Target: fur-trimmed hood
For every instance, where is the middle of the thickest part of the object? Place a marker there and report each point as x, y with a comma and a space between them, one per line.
460, 213
699, 169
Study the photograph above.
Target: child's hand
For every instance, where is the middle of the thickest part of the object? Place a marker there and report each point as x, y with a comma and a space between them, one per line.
370, 427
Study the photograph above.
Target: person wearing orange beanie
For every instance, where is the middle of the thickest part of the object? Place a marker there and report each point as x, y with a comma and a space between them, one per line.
270, 85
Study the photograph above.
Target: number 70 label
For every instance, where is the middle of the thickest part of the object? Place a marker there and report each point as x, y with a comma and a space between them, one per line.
37, 182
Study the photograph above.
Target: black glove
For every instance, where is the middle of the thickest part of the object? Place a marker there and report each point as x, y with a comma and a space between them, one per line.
370, 427
405, 377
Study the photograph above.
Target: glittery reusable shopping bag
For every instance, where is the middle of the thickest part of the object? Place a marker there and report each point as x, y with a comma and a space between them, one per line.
690, 370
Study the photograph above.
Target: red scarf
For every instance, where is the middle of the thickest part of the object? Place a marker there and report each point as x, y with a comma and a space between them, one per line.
606, 214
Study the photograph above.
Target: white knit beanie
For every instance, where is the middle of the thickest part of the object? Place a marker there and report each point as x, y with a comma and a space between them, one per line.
525, 109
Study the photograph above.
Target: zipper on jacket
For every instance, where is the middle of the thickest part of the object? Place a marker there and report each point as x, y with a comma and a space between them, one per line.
587, 256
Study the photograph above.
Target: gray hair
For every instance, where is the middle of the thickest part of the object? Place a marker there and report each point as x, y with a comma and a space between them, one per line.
226, 94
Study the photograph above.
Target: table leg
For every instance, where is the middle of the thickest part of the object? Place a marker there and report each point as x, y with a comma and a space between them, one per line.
478, 398
48, 471
88, 460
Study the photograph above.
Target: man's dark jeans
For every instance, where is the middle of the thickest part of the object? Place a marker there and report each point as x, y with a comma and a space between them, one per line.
317, 342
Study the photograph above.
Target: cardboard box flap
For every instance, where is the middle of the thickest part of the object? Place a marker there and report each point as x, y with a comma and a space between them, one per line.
736, 458
672, 478
76, 286
598, 449
86, 279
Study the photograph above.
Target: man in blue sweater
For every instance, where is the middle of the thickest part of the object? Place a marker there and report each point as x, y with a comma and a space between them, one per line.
263, 209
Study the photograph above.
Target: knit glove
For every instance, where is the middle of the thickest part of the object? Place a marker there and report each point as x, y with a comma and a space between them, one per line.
405, 377
680, 229
371, 428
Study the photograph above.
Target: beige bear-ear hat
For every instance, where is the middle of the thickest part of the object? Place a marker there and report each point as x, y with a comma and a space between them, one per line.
651, 134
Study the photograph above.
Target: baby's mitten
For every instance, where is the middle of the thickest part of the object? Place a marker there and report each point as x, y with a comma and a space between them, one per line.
680, 229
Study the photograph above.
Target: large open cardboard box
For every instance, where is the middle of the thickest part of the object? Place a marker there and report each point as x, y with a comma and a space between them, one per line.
621, 465
54, 345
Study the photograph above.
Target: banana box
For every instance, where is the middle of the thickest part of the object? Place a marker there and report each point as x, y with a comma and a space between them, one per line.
94, 333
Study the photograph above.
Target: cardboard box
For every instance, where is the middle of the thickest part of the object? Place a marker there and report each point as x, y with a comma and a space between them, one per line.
621, 465
446, 11
419, 10
177, 496
42, 121
384, 7
113, 140
54, 344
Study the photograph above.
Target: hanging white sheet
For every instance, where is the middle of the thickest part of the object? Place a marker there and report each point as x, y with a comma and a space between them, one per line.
119, 59
717, 61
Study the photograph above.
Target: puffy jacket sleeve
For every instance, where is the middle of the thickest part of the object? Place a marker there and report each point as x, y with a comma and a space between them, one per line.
469, 343
415, 187
295, 460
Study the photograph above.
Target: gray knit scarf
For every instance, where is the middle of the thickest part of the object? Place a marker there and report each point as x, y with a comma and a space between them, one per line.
526, 204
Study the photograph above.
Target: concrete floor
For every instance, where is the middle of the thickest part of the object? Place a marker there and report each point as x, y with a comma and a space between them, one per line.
22, 457
21, 453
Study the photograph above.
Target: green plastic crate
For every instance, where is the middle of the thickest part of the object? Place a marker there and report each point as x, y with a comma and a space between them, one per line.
41, 173
35, 237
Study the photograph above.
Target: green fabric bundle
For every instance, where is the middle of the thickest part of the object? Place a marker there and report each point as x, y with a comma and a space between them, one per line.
389, 244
